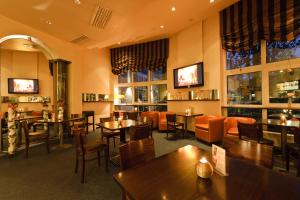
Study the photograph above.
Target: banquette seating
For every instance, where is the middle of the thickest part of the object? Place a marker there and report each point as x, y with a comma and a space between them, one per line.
153, 115
231, 124
209, 128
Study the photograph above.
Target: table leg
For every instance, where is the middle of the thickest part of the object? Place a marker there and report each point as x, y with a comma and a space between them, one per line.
19, 133
122, 136
185, 126
283, 141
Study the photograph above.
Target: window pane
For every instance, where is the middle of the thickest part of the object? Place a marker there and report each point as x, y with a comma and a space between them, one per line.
159, 93
125, 77
277, 51
283, 83
141, 76
244, 88
141, 94
275, 114
159, 74
236, 60
255, 113
125, 94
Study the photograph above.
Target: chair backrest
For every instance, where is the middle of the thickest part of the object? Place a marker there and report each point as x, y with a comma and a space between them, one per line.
25, 129
171, 118
80, 138
139, 132
132, 115
105, 119
116, 115
296, 132
136, 152
250, 131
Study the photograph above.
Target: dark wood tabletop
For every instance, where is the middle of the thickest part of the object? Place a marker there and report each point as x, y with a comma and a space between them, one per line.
173, 176
115, 125
253, 152
277, 122
52, 121
28, 118
183, 114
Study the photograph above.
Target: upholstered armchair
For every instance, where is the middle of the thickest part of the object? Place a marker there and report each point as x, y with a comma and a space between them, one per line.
209, 128
231, 124
162, 120
153, 115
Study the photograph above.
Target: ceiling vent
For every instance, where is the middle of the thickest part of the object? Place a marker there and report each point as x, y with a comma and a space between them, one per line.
81, 39
100, 17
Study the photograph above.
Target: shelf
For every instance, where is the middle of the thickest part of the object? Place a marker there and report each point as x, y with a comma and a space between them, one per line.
195, 100
97, 101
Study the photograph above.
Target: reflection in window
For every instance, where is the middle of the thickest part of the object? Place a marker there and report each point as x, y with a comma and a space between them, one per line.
140, 76
255, 113
125, 77
140, 94
284, 84
277, 51
125, 95
159, 74
276, 113
244, 88
235, 60
159, 93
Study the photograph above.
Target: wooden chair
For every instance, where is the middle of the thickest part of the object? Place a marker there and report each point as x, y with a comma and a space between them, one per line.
85, 148
136, 152
139, 132
31, 137
252, 132
132, 115
173, 125
293, 149
148, 120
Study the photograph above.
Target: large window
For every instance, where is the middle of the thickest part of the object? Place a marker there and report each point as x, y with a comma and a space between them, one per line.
255, 113
278, 51
159, 93
124, 78
284, 84
140, 94
125, 95
244, 88
235, 60
159, 74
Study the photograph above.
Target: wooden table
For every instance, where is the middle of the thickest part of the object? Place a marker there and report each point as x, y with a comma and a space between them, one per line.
115, 125
173, 176
186, 116
253, 152
284, 126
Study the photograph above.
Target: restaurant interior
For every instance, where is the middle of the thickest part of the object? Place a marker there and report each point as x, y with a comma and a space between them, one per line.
167, 99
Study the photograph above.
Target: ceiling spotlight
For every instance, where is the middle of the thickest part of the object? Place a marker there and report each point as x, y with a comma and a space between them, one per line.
211, 1
48, 22
78, 2
119, 43
173, 9
162, 26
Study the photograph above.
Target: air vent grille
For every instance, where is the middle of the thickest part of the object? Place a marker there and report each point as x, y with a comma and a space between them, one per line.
100, 17
79, 40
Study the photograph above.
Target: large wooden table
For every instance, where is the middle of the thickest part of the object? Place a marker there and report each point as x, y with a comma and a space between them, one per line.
253, 152
173, 176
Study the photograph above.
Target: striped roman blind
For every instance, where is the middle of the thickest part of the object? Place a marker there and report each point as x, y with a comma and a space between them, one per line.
150, 55
244, 24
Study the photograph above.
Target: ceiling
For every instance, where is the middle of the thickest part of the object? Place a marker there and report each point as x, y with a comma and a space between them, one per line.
131, 21
20, 45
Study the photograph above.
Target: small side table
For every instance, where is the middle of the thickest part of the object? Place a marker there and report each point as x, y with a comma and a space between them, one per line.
182, 114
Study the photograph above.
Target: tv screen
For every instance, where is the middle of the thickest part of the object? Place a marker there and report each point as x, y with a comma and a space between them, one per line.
189, 76
23, 86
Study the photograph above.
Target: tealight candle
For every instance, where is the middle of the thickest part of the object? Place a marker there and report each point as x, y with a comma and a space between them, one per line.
282, 118
204, 168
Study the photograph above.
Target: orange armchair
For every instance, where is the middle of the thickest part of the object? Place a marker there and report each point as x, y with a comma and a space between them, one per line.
153, 115
162, 120
231, 124
209, 128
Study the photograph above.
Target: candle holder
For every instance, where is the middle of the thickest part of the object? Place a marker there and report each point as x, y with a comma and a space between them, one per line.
282, 118
204, 169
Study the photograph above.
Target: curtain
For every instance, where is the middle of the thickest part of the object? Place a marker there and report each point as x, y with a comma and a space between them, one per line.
244, 24
151, 55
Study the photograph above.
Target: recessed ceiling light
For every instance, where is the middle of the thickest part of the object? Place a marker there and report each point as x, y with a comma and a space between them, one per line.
48, 22
211, 1
119, 43
162, 26
173, 9
78, 2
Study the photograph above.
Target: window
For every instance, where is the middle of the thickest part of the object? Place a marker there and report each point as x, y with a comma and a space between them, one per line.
125, 77
159, 93
159, 74
141, 76
244, 88
125, 95
235, 60
276, 113
140, 94
278, 51
255, 113
284, 84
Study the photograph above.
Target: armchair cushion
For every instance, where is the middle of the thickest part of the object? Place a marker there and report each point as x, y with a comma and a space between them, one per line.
231, 123
162, 120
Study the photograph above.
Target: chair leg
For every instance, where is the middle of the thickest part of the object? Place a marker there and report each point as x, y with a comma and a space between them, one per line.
298, 167
114, 142
287, 161
106, 155
76, 163
98, 158
26, 150
83, 169
47, 145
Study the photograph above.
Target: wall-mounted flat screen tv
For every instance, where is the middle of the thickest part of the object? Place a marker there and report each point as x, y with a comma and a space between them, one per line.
23, 86
189, 76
